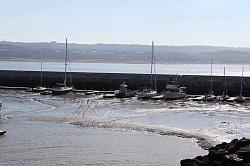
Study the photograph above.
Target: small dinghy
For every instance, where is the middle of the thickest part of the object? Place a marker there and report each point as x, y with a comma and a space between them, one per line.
158, 97
109, 96
46, 92
91, 92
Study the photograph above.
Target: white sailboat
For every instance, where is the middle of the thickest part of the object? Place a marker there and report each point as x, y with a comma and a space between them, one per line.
40, 88
240, 98
224, 96
147, 93
64, 89
210, 95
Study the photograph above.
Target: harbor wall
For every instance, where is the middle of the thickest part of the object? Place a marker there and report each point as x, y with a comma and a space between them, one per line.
195, 84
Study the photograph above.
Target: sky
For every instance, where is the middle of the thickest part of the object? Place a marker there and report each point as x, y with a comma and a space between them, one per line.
167, 22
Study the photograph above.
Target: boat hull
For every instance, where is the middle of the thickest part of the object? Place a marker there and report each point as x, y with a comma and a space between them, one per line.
147, 95
173, 96
38, 89
125, 95
62, 91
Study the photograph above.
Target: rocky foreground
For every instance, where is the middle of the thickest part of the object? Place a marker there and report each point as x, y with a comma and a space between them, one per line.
235, 153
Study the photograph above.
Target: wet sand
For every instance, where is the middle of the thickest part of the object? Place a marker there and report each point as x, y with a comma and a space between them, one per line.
39, 133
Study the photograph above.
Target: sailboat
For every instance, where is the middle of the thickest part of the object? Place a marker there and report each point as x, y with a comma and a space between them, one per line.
240, 98
210, 95
64, 89
40, 88
224, 96
147, 93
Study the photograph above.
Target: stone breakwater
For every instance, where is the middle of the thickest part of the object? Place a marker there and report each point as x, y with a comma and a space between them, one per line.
195, 84
235, 153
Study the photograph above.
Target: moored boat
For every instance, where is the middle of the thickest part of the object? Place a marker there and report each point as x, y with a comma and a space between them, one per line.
38, 89
210, 96
240, 98
123, 91
61, 90
148, 93
173, 91
224, 96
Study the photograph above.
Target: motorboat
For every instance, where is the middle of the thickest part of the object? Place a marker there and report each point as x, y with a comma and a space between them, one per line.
146, 93
173, 91
123, 92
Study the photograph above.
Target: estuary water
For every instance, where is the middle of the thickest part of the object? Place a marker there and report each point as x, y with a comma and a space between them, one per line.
75, 129
180, 69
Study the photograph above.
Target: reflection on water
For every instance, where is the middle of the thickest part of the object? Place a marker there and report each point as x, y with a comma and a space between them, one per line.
129, 131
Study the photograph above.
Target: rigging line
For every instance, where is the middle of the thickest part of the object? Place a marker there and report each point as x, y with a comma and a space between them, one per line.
71, 81
155, 74
65, 69
152, 59
211, 85
241, 81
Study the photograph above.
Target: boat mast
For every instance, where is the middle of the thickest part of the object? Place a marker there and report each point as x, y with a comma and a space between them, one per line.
211, 84
241, 81
154, 68
41, 79
66, 56
225, 82
152, 59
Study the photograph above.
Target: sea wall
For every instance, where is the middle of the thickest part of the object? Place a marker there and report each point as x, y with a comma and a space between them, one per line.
195, 84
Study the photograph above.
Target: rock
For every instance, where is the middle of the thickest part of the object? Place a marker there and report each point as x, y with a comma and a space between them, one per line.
235, 153
2, 132
244, 152
233, 157
194, 162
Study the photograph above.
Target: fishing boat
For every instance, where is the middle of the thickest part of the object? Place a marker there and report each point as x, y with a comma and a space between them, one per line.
210, 96
148, 92
63, 89
224, 96
123, 91
173, 91
40, 88
240, 98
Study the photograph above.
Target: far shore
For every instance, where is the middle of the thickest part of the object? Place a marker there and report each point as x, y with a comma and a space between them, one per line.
116, 62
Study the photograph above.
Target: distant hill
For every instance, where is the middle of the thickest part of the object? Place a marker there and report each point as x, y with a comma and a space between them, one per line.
122, 53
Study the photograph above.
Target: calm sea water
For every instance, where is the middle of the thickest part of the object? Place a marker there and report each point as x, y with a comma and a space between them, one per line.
181, 69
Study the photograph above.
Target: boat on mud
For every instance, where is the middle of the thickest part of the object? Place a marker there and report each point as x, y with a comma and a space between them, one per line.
240, 98
123, 91
173, 91
64, 89
210, 96
146, 92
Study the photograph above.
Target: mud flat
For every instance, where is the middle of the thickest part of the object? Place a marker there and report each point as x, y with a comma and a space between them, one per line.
51, 139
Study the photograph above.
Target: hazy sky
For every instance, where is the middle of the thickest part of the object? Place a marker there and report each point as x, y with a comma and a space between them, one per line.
168, 22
